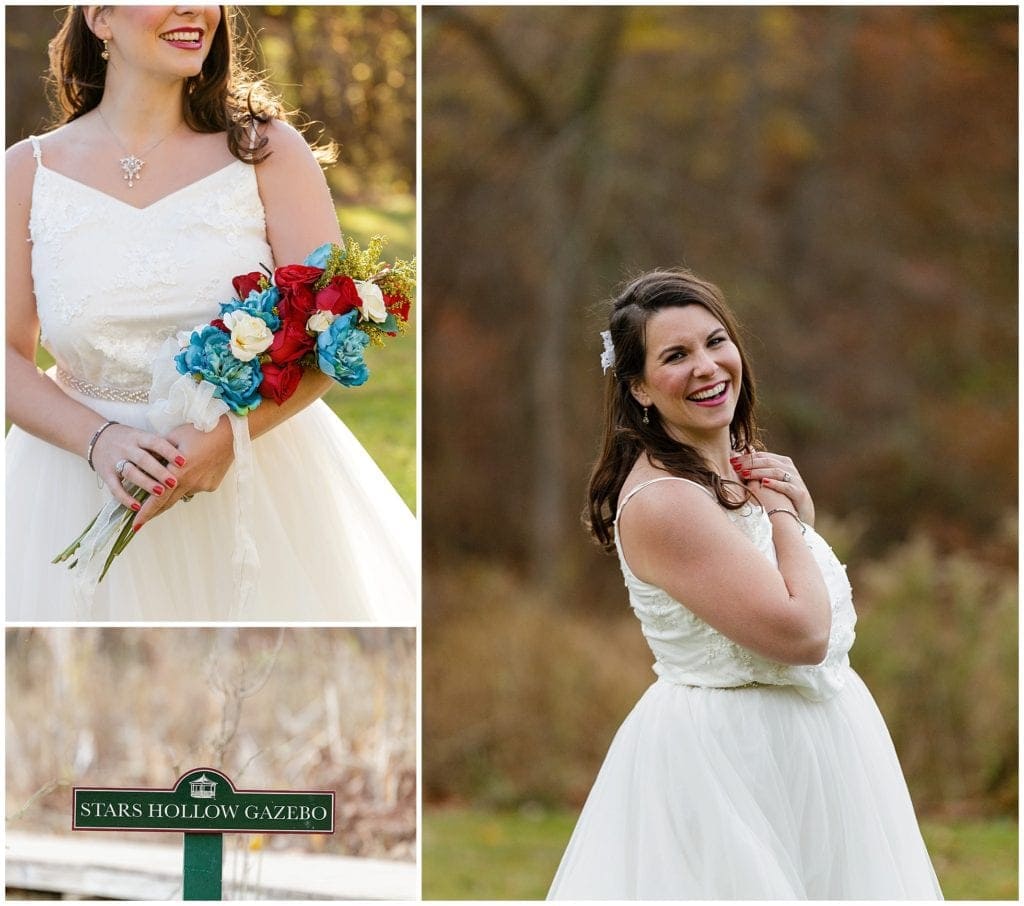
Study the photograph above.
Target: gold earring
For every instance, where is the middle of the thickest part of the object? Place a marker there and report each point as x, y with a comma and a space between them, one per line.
105, 53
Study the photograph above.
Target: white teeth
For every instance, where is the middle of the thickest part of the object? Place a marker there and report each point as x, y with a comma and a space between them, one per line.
192, 36
710, 392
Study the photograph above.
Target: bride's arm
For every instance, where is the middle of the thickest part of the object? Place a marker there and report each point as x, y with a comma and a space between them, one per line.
34, 402
300, 217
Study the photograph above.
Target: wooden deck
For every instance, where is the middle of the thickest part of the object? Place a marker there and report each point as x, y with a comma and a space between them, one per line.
89, 866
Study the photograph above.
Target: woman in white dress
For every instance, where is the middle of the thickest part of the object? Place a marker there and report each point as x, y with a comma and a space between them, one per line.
168, 178
757, 765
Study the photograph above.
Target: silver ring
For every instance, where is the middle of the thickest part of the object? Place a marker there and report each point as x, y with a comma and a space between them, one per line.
187, 497
122, 464
787, 477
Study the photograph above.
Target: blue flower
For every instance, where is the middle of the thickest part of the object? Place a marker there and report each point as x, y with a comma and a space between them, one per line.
208, 357
340, 351
259, 304
318, 257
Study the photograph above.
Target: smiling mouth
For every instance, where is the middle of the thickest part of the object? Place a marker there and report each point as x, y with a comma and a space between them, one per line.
711, 394
192, 37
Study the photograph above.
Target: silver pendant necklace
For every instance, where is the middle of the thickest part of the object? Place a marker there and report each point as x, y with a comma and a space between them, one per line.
131, 164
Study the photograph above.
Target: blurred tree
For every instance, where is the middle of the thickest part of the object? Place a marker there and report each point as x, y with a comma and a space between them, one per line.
848, 176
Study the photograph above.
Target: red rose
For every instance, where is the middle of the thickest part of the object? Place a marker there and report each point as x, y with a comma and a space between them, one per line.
295, 283
220, 325
296, 275
246, 283
291, 343
280, 381
297, 303
398, 306
339, 296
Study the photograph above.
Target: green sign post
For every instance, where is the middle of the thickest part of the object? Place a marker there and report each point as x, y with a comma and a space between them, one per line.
204, 805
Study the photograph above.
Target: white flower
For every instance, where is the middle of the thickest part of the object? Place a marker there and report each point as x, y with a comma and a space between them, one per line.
373, 301
320, 321
249, 335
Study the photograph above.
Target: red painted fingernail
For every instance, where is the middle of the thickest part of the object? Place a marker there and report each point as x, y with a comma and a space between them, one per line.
135, 528
746, 473
180, 460
766, 481
170, 482
158, 490
736, 465
136, 506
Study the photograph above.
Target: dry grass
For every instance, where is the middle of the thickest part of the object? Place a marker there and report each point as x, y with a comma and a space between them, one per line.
275, 709
522, 695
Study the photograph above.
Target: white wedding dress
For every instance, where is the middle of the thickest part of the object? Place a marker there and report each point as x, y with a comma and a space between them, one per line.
324, 535
736, 777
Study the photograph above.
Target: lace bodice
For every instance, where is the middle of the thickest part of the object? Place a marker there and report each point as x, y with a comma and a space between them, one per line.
689, 651
113, 282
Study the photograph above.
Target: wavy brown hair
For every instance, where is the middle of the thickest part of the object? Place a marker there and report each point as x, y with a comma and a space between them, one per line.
225, 97
626, 436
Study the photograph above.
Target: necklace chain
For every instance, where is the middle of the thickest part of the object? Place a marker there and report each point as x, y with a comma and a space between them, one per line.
132, 164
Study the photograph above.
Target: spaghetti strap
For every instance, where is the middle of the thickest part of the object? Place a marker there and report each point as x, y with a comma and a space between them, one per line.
650, 481
37, 152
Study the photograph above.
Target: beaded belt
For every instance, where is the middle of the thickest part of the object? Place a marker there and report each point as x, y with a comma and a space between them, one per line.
102, 393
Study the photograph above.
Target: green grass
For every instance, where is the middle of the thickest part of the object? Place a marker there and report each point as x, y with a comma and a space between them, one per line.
393, 218
479, 855
476, 855
975, 860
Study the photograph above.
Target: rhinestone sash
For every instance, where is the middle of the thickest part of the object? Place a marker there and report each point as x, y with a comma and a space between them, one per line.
96, 391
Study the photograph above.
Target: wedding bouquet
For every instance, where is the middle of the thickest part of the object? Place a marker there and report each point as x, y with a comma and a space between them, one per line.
318, 314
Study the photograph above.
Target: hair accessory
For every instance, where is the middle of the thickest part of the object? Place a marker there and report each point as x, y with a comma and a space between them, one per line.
645, 419
608, 354
105, 53
92, 442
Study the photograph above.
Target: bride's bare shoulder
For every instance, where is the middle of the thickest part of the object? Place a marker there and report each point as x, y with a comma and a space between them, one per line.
20, 155
20, 170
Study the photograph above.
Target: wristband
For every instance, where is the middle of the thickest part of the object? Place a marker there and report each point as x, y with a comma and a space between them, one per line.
92, 442
799, 521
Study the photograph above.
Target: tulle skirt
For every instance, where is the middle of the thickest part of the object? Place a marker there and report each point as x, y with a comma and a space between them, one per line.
754, 793
333, 539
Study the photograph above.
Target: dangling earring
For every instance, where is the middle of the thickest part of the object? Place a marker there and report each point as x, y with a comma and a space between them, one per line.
645, 419
105, 53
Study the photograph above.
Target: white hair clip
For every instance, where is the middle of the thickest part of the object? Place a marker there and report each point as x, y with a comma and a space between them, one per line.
608, 355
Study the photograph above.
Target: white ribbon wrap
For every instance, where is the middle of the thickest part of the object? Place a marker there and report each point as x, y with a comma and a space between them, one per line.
174, 400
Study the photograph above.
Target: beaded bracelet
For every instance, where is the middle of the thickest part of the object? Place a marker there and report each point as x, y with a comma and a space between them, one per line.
93, 439
799, 521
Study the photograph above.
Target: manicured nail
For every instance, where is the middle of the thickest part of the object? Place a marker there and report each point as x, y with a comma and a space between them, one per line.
766, 481
170, 482
136, 527
136, 506
158, 489
736, 464
746, 473
734, 459
179, 460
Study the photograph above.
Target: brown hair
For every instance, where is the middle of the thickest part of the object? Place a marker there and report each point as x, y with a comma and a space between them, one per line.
224, 97
626, 436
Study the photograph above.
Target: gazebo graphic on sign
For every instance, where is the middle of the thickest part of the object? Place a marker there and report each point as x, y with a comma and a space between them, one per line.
203, 788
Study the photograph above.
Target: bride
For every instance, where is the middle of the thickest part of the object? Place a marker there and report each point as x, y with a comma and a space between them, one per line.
757, 765
171, 174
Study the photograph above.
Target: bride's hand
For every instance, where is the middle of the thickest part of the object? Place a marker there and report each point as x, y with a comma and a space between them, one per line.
208, 456
150, 461
777, 474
